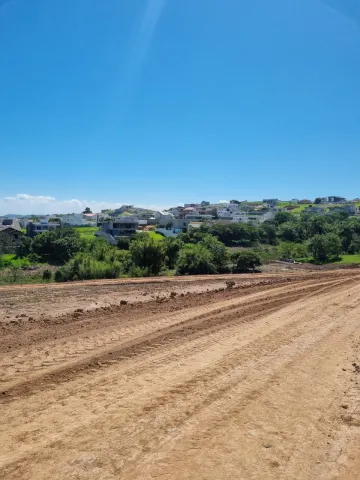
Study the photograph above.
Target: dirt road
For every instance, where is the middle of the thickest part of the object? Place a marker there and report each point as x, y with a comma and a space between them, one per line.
260, 381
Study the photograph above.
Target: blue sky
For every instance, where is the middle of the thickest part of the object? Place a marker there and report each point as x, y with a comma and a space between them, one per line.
160, 102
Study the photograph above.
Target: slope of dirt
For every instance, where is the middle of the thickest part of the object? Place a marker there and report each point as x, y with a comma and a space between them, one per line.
260, 381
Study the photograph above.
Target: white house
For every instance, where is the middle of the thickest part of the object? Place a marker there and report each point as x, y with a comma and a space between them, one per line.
255, 218
229, 210
73, 219
163, 218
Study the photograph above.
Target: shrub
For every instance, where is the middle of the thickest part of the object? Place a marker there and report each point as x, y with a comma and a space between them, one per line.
59, 276
33, 258
47, 274
147, 254
136, 272
195, 260
245, 260
123, 243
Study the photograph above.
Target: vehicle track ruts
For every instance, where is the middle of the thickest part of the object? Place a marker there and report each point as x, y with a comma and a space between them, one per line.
254, 385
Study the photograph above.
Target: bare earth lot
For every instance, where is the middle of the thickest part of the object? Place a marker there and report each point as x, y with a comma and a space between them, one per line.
188, 380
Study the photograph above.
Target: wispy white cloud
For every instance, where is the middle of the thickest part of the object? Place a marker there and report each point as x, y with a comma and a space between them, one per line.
224, 201
143, 39
23, 197
24, 204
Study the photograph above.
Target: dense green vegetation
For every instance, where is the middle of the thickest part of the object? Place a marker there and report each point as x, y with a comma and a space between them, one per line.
213, 248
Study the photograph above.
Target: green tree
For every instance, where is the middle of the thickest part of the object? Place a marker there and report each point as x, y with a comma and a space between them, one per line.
292, 250
333, 244
354, 246
217, 249
172, 248
317, 200
245, 260
291, 232
317, 225
267, 233
123, 243
148, 254
25, 247
87, 210
325, 247
57, 246
43, 244
195, 260
283, 217
65, 248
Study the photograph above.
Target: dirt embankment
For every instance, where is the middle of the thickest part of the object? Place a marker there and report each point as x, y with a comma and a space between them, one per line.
182, 379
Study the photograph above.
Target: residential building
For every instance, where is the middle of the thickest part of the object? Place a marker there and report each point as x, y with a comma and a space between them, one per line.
11, 222
335, 199
34, 228
13, 233
73, 219
314, 209
349, 208
121, 226
271, 201
90, 219
196, 217
228, 210
163, 218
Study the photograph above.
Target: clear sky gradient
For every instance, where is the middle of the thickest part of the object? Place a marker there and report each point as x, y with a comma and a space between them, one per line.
160, 102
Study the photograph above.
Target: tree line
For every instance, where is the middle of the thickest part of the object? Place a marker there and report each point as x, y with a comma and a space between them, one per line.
201, 251
80, 259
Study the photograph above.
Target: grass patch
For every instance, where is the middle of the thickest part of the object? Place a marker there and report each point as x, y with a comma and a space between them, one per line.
86, 232
297, 209
348, 260
157, 237
11, 260
300, 208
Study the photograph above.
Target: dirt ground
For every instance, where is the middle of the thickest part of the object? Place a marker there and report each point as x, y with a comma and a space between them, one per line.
182, 378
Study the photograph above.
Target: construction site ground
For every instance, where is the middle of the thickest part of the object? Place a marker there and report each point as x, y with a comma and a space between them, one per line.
213, 377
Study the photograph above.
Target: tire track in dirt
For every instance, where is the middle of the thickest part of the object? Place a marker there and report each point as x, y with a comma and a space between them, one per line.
73, 355
199, 395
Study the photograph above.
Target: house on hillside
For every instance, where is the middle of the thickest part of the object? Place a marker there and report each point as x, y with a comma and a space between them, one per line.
349, 209
333, 199
90, 219
13, 233
271, 201
34, 228
163, 218
11, 222
120, 227
314, 209
196, 217
72, 219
